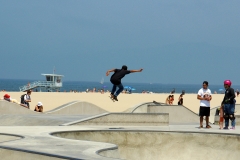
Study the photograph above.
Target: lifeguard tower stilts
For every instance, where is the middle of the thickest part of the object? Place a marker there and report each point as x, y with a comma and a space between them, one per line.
53, 83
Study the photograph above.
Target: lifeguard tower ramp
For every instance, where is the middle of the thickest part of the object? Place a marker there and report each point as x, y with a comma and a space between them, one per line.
53, 83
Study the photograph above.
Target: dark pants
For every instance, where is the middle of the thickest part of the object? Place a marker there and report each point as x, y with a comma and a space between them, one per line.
229, 109
114, 88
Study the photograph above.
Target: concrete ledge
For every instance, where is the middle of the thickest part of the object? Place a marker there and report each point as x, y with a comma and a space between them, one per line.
125, 119
177, 114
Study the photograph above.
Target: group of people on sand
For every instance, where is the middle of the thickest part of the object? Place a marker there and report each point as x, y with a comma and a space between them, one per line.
25, 99
170, 99
227, 105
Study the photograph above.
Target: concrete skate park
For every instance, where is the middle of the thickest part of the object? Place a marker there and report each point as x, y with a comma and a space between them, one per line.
81, 130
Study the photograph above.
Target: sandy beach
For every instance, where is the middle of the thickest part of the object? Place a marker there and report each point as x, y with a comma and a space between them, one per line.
52, 100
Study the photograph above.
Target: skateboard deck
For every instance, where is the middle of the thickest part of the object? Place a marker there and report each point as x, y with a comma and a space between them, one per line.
112, 98
221, 118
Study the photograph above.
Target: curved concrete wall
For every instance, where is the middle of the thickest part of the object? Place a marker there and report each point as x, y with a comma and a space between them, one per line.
125, 119
167, 145
140, 108
13, 108
77, 108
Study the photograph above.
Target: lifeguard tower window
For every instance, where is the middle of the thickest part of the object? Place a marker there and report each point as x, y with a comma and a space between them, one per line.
49, 78
58, 80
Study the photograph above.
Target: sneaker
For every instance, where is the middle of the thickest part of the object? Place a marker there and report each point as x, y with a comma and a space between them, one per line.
225, 128
208, 126
111, 95
232, 128
115, 98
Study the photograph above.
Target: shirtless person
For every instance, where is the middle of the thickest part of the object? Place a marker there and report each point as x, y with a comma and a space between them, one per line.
116, 80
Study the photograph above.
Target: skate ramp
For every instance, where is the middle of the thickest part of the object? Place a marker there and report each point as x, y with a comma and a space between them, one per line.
177, 114
124, 119
142, 107
77, 108
38, 120
144, 145
13, 108
71, 108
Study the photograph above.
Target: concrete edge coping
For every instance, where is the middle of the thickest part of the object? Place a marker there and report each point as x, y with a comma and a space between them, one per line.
175, 106
98, 151
62, 106
141, 130
93, 151
38, 153
85, 119
105, 114
12, 135
141, 104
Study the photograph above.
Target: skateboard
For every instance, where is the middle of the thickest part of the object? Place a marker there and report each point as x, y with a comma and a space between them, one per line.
221, 118
112, 98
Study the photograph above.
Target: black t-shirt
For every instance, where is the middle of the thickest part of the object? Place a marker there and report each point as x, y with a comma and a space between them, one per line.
229, 96
118, 75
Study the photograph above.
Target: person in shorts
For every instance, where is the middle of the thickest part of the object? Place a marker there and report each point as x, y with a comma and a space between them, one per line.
204, 95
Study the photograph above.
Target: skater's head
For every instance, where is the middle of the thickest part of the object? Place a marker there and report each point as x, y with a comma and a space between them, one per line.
124, 67
205, 84
227, 84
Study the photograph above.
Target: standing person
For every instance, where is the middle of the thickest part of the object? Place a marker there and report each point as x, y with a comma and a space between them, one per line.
180, 100
25, 99
116, 80
204, 95
237, 91
168, 100
228, 104
171, 99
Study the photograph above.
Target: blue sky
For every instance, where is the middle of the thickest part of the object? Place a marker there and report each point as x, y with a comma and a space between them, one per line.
183, 42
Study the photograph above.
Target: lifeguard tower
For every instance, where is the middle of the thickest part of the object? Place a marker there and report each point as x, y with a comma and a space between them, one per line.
53, 83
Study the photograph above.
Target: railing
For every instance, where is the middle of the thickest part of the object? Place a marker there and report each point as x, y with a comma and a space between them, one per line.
38, 84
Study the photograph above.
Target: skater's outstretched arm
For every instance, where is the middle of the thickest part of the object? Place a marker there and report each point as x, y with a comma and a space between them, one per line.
112, 70
132, 71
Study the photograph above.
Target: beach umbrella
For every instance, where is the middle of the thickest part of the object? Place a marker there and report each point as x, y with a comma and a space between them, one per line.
126, 87
133, 89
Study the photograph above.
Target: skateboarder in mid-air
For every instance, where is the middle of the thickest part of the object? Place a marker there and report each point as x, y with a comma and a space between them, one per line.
116, 80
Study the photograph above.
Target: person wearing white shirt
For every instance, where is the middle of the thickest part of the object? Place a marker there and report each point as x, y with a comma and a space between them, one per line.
205, 96
25, 99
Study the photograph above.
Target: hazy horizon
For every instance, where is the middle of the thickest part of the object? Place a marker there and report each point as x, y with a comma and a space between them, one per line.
181, 42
